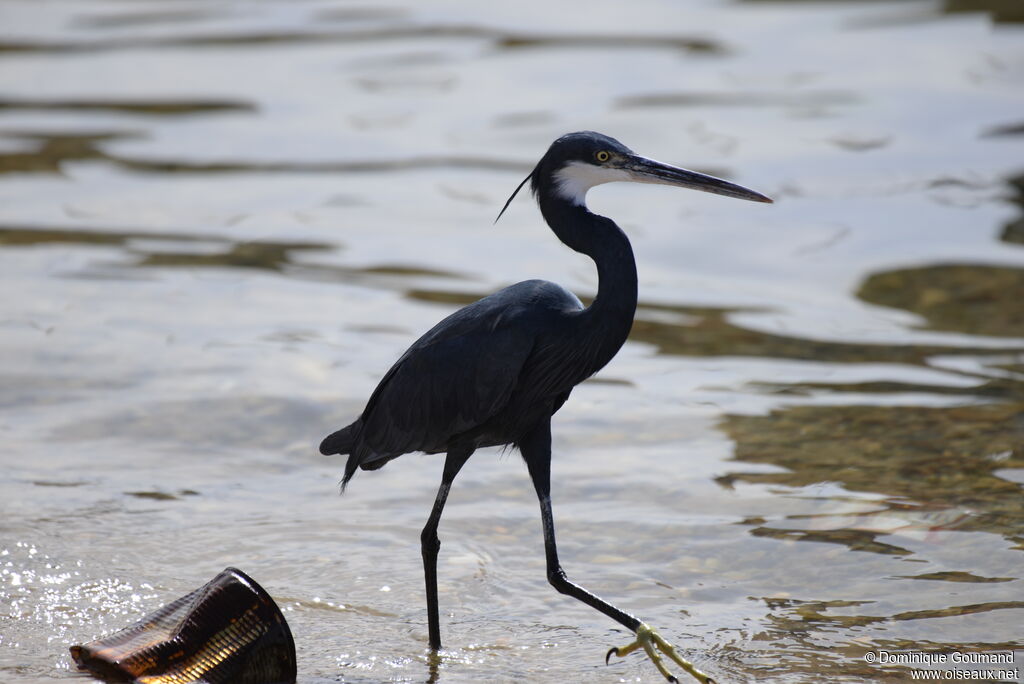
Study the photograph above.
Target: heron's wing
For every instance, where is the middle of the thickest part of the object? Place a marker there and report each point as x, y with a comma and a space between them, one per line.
453, 379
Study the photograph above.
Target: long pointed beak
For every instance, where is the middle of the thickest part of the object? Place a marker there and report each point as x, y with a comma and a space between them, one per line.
644, 170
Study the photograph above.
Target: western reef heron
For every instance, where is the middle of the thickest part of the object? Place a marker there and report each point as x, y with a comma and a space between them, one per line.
493, 373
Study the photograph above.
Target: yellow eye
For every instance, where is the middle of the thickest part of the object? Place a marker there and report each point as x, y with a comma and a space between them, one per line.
602, 156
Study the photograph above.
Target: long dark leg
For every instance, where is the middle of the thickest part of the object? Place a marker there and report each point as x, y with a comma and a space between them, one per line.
536, 450
430, 544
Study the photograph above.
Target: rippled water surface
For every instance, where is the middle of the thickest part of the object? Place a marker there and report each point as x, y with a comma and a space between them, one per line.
220, 222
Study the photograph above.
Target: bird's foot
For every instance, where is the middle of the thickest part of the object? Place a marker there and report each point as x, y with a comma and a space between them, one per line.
652, 642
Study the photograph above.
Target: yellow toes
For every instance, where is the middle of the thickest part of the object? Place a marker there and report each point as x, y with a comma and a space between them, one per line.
652, 642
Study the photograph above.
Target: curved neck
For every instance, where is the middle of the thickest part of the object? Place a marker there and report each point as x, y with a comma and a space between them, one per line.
605, 324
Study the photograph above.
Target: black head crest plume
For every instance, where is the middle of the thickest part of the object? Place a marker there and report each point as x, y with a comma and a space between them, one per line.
513, 196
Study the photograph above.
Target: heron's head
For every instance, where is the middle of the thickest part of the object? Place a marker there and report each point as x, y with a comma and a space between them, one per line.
577, 162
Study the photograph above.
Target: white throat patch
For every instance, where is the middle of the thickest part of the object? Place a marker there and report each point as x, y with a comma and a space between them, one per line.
574, 179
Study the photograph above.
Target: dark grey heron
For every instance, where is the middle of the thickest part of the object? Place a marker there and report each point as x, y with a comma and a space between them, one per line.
494, 372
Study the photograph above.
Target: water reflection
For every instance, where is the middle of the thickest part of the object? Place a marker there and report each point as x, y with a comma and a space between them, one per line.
51, 150
1005, 130
956, 576
969, 298
490, 38
933, 468
130, 20
1001, 11
206, 250
162, 249
147, 107
804, 100
1013, 232
805, 621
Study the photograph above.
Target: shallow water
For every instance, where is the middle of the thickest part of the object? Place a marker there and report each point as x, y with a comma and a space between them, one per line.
220, 223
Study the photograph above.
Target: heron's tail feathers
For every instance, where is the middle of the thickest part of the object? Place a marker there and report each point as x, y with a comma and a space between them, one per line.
351, 465
344, 442
340, 442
